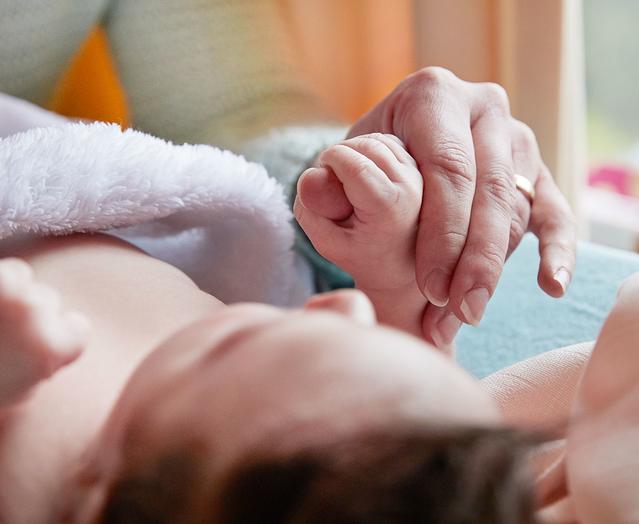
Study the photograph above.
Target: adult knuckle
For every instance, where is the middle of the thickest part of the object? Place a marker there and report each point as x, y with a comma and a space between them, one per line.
489, 256
449, 242
565, 247
452, 162
518, 228
452, 237
423, 87
499, 186
496, 98
434, 76
523, 133
559, 230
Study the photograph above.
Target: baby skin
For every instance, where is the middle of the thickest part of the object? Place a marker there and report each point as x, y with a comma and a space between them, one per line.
68, 354
38, 335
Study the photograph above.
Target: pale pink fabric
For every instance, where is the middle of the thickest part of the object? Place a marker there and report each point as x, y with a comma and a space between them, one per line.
588, 395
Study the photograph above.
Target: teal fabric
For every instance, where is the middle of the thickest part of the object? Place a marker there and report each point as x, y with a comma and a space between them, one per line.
521, 321
327, 275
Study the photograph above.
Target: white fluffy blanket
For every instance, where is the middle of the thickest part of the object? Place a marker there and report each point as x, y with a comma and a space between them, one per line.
211, 213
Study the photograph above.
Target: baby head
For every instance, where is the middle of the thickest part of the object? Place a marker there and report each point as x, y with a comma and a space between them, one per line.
262, 415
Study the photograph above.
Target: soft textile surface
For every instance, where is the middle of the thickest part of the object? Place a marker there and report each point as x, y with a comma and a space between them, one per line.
521, 321
217, 217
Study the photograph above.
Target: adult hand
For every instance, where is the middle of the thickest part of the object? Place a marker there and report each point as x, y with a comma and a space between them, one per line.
468, 148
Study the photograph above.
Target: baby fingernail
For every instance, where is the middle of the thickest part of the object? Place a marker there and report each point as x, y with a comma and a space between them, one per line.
562, 277
446, 329
436, 288
307, 171
474, 304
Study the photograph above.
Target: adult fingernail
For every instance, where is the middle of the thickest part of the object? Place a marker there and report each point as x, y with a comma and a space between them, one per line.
473, 305
445, 330
436, 287
562, 277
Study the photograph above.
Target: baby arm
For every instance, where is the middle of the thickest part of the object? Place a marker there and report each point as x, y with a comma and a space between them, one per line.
360, 209
37, 336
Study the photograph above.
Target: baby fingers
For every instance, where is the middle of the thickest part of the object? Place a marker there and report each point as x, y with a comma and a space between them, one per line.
321, 192
366, 185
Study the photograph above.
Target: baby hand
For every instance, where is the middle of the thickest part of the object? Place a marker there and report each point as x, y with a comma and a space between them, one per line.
360, 209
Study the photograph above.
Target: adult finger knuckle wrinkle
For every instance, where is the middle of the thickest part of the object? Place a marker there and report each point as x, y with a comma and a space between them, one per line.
563, 247
490, 257
454, 238
517, 229
445, 249
453, 164
500, 186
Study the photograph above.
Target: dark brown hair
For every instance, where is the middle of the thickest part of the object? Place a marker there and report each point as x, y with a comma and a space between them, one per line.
456, 477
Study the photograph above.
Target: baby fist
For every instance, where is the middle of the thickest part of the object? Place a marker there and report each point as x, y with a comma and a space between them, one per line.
359, 208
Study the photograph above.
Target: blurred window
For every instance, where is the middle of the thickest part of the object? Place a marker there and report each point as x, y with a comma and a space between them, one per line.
611, 196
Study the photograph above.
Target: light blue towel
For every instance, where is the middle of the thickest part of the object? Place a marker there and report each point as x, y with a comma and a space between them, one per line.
522, 321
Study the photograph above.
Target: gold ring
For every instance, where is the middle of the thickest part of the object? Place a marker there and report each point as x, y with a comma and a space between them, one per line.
525, 186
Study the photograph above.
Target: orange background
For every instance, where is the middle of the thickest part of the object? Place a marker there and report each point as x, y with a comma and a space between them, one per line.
90, 87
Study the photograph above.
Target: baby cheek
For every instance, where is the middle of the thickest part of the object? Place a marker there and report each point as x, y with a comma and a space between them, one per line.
603, 463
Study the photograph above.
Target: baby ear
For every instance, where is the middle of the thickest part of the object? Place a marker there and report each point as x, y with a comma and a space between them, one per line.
613, 368
321, 192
